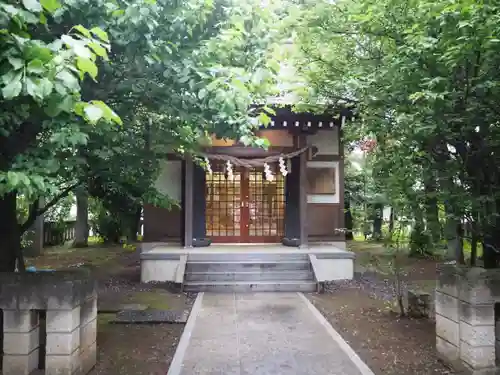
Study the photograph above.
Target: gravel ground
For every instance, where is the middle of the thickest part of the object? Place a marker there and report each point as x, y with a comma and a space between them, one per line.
130, 349
136, 349
360, 310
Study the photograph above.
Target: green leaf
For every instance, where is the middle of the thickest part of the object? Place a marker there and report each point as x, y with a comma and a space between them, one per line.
32, 5
46, 87
108, 113
86, 66
93, 113
118, 13
16, 62
264, 119
35, 66
31, 87
79, 108
212, 85
52, 109
100, 33
35, 51
67, 104
202, 94
83, 30
50, 5
69, 80
13, 88
39, 88
77, 46
99, 50
13, 179
43, 19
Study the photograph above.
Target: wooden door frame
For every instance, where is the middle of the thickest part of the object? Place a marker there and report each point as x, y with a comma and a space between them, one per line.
259, 239
244, 208
244, 227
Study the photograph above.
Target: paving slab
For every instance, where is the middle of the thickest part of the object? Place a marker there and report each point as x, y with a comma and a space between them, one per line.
261, 334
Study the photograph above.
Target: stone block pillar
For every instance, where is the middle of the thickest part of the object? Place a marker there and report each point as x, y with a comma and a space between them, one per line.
63, 341
20, 342
70, 302
465, 317
88, 335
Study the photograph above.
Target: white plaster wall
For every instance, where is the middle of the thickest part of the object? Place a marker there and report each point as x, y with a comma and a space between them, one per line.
169, 180
327, 141
325, 198
332, 269
158, 270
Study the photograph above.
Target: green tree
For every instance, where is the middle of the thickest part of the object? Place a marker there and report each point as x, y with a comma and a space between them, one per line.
423, 76
175, 72
40, 103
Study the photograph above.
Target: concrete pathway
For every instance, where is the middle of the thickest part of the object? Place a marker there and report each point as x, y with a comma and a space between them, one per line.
261, 334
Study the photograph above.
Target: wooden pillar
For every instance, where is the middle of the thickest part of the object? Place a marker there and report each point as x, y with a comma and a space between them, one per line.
303, 193
341, 177
292, 196
188, 201
199, 203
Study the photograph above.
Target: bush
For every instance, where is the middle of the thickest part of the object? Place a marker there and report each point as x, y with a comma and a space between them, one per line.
106, 226
420, 241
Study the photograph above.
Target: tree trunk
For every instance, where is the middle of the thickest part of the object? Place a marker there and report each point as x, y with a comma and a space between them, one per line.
431, 208
10, 234
82, 219
459, 251
454, 241
377, 220
491, 246
35, 234
419, 241
391, 220
349, 222
474, 241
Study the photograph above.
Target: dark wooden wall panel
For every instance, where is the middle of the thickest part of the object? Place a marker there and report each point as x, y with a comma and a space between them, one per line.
323, 220
161, 224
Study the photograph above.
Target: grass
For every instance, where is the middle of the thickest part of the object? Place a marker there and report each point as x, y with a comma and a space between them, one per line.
64, 256
104, 324
154, 300
99, 256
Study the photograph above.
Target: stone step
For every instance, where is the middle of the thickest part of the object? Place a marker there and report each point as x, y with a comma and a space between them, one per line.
235, 256
251, 276
251, 286
246, 266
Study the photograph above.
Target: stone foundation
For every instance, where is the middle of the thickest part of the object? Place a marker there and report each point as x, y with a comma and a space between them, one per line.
465, 318
69, 300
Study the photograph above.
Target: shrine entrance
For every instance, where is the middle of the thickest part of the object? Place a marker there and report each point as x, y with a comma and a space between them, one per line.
244, 207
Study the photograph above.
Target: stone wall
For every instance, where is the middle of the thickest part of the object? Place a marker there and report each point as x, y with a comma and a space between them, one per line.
69, 300
465, 317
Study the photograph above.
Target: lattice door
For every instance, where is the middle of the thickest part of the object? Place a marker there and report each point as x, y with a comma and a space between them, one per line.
223, 205
246, 208
266, 207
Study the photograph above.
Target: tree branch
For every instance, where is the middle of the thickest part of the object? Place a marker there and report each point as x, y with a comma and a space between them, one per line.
35, 211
